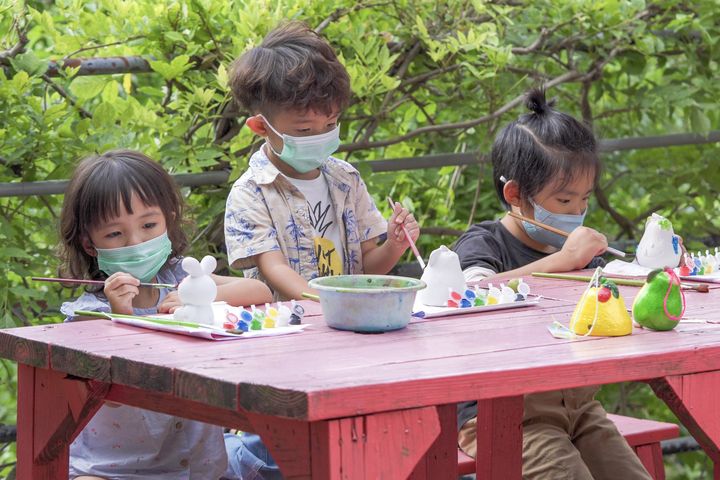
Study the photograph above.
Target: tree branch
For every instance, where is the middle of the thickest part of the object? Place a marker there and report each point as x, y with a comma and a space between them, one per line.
104, 45
16, 49
61, 91
564, 78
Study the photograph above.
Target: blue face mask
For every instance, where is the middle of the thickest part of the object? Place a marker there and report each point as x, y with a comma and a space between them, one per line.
306, 153
143, 261
564, 222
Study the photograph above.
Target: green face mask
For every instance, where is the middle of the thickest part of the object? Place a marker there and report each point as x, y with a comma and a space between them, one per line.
143, 261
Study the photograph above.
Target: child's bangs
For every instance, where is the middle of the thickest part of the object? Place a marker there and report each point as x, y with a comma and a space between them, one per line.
110, 193
571, 166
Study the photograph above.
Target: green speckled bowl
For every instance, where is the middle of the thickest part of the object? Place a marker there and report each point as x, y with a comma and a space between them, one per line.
367, 303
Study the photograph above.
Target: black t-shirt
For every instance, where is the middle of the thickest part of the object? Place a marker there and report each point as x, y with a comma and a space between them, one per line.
490, 245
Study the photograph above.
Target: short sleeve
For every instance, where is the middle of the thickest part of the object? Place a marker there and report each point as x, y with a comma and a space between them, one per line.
249, 229
369, 222
87, 301
479, 248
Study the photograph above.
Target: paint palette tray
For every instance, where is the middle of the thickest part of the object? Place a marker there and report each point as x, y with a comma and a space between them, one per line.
207, 332
434, 312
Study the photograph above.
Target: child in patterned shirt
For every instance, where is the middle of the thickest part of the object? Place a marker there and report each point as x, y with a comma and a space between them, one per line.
298, 213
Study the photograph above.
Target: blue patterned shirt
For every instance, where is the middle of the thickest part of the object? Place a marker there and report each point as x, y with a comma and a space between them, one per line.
266, 212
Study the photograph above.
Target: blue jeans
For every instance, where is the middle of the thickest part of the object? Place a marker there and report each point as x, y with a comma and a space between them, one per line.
248, 459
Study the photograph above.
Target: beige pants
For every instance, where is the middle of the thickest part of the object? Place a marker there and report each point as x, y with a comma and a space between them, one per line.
567, 436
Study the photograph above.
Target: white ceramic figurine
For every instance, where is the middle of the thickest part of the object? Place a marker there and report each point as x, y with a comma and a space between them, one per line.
197, 291
659, 246
443, 272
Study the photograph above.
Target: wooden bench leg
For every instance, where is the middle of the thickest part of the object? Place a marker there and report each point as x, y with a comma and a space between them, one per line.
52, 410
651, 457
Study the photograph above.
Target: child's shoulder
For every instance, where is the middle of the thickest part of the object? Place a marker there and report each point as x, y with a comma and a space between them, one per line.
487, 229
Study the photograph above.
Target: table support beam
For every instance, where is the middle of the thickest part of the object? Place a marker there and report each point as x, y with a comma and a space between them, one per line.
379, 446
52, 410
694, 399
499, 438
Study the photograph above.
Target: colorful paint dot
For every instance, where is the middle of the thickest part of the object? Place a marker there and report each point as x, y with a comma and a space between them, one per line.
452, 303
469, 294
246, 316
479, 302
465, 303
243, 326
256, 324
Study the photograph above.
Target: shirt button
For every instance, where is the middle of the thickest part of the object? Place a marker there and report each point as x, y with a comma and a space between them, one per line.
184, 463
178, 425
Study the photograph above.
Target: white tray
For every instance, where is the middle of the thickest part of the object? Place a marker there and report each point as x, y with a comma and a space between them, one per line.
215, 333
432, 312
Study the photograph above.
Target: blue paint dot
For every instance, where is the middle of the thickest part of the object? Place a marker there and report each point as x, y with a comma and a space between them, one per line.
465, 303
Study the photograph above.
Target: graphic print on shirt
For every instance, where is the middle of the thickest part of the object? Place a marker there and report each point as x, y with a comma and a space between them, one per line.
329, 262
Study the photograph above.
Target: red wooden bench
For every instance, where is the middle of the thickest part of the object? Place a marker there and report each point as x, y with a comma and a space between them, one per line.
643, 436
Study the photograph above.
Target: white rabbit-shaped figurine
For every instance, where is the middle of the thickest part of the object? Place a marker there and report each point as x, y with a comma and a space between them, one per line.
197, 291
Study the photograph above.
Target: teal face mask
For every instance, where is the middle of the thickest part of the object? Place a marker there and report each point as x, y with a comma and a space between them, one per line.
143, 261
306, 153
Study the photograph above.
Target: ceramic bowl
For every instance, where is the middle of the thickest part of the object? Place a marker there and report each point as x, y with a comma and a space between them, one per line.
367, 303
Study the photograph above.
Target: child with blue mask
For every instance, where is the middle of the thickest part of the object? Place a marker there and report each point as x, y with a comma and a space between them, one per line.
545, 167
298, 212
121, 222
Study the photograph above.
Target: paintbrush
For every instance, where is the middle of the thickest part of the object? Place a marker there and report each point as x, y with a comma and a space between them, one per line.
310, 296
413, 247
563, 233
700, 287
159, 321
78, 281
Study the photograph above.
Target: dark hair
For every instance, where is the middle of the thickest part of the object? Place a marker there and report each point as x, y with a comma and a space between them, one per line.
98, 186
541, 147
293, 68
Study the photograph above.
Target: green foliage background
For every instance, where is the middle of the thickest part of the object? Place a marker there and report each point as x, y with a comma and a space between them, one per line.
429, 76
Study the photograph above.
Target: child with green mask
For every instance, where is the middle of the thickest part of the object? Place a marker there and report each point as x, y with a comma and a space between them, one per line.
121, 223
297, 212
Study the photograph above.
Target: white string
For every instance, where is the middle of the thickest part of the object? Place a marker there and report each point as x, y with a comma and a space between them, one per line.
594, 281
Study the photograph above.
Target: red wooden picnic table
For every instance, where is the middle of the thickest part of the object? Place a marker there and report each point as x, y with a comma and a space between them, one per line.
338, 405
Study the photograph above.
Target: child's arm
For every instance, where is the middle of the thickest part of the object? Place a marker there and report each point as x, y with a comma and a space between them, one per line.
241, 291
579, 249
381, 259
236, 291
280, 276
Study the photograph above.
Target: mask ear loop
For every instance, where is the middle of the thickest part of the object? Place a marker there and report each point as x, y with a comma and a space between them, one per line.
674, 280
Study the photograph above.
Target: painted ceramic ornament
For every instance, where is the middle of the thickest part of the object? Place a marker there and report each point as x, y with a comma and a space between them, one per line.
197, 291
443, 272
601, 310
659, 246
660, 303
